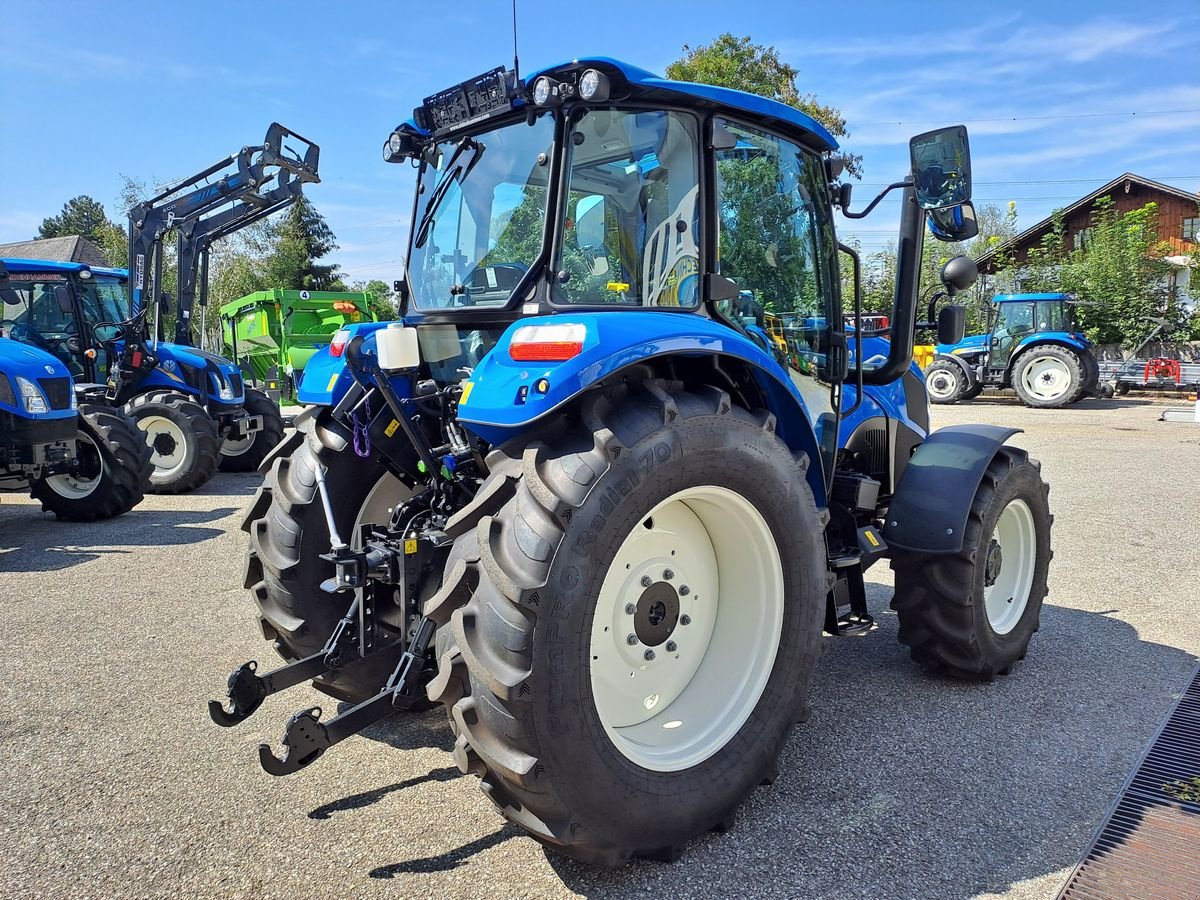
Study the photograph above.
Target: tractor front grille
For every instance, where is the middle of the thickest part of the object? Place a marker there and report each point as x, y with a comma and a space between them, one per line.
57, 391
235, 382
1149, 844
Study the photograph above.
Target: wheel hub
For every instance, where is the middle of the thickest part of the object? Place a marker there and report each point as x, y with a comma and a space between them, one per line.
657, 614
995, 560
163, 444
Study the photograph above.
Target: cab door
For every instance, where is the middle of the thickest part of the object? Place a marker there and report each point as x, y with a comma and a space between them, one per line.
1014, 321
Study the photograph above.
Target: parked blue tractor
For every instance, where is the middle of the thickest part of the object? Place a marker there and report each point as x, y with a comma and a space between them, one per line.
83, 461
1031, 345
584, 499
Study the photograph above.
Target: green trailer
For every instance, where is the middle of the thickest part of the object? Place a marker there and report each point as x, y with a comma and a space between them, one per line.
273, 334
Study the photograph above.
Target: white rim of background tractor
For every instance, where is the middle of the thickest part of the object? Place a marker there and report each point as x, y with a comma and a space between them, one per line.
71, 486
941, 384
1046, 377
166, 465
686, 628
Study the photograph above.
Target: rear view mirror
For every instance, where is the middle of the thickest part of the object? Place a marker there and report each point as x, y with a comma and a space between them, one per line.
959, 274
954, 223
941, 167
62, 294
3, 277
951, 323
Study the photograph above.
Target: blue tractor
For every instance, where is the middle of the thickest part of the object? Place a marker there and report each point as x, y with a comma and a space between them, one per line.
1032, 345
583, 498
83, 461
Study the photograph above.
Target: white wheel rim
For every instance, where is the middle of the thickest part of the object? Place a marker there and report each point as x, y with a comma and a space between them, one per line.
237, 446
166, 464
1008, 567
941, 384
71, 486
676, 710
1047, 378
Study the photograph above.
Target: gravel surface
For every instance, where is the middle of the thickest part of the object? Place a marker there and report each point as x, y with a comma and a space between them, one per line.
116, 784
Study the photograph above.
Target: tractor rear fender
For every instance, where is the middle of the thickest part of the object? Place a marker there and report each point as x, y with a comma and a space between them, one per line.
506, 397
1058, 338
928, 513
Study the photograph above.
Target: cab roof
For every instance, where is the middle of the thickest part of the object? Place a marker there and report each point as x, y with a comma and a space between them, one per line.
58, 267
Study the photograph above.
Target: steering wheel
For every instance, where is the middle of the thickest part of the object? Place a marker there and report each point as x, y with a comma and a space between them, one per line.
28, 334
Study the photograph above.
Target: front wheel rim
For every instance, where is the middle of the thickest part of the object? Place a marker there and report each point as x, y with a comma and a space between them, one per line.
1008, 567
941, 384
686, 628
73, 486
1047, 378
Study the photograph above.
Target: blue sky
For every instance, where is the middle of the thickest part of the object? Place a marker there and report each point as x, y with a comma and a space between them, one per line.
1059, 97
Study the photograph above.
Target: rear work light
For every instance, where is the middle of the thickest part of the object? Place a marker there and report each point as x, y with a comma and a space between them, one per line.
547, 343
338, 345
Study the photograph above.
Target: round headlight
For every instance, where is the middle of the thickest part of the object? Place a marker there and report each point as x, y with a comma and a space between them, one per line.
593, 85
541, 91
85, 273
395, 143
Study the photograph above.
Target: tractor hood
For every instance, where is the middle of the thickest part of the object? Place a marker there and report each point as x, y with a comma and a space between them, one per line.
969, 344
17, 358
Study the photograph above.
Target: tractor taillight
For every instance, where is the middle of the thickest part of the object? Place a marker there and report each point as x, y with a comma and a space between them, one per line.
338, 345
547, 343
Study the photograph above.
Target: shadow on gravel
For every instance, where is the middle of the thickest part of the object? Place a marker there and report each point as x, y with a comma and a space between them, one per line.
366, 798
229, 484
31, 541
1092, 403
406, 730
452, 859
905, 784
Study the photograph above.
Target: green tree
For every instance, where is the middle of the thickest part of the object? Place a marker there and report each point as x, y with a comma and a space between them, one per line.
300, 239
381, 302
85, 216
739, 63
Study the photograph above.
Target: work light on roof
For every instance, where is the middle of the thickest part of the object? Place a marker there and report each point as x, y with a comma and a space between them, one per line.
545, 92
593, 85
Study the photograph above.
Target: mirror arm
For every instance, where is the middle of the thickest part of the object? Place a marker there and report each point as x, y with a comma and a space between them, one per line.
858, 370
862, 214
908, 282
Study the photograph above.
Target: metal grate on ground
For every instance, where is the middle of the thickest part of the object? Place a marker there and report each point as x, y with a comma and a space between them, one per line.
1149, 844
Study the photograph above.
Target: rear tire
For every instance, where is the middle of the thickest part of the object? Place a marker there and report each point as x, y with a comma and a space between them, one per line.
945, 382
1047, 377
529, 669
247, 455
288, 532
114, 466
971, 614
182, 438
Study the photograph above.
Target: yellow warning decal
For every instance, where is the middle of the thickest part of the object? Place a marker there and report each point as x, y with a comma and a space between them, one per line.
618, 286
391, 429
874, 541
410, 547
333, 381
467, 388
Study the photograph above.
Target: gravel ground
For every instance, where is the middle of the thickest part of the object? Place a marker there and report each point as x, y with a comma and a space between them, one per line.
901, 785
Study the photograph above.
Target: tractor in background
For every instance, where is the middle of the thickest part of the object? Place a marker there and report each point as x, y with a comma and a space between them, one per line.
599, 503
1032, 345
82, 459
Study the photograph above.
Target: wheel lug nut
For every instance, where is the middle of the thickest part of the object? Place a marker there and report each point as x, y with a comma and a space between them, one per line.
631, 640
684, 590
668, 574
649, 655
630, 609
685, 619
646, 581
672, 646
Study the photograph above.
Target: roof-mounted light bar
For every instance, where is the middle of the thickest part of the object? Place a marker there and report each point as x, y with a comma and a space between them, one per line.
481, 97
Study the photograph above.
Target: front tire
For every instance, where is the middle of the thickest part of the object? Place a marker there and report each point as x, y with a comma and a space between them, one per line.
247, 454
1047, 377
113, 467
972, 614
641, 494
945, 382
182, 438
